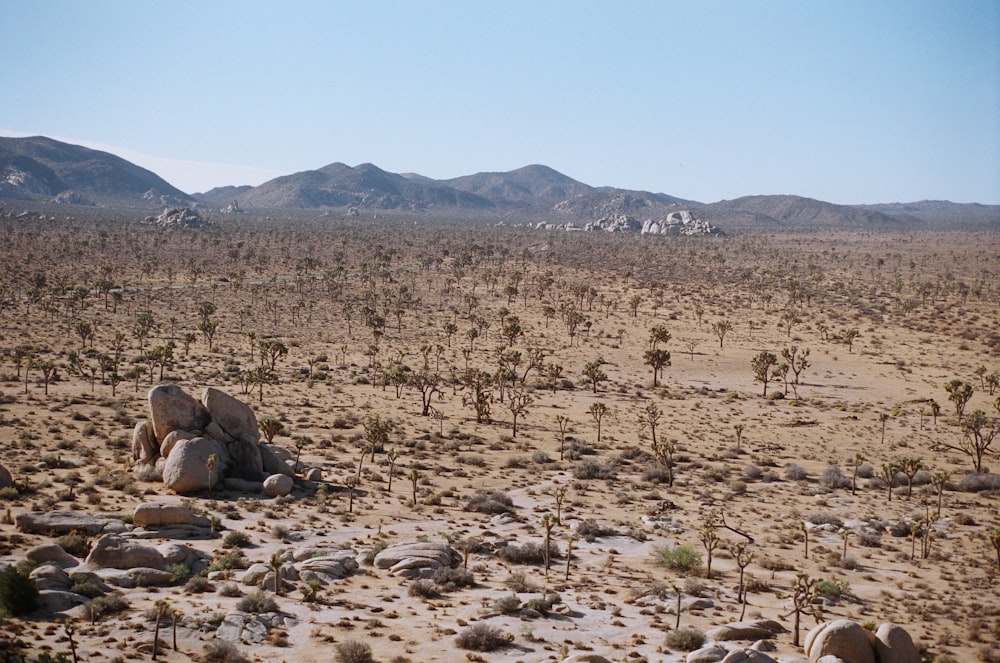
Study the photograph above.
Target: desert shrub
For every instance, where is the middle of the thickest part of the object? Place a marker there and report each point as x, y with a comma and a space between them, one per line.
678, 558
229, 560
483, 637
685, 638
18, 593
529, 553
450, 579
46, 657
543, 604
85, 586
518, 582
824, 519
230, 589
832, 589
752, 473
507, 605
591, 469
198, 585
258, 602
870, 539
656, 474
975, 483
577, 449
179, 573
236, 539
492, 503
541, 458
8, 493
866, 471
111, 603
424, 589
591, 529
74, 544
223, 651
636, 454
795, 472
833, 478
694, 587
352, 651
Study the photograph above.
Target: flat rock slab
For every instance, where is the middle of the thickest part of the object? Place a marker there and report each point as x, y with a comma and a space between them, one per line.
748, 630
158, 514
412, 560
242, 627
65, 522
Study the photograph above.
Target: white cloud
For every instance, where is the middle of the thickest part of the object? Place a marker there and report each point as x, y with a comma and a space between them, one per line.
188, 176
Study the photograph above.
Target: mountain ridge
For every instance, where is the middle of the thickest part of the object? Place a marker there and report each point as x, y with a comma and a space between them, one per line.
43, 169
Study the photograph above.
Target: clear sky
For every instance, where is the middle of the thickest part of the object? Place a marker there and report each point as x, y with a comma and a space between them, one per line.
849, 101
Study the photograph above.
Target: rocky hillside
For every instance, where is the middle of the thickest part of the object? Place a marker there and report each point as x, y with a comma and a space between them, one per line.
797, 212
42, 167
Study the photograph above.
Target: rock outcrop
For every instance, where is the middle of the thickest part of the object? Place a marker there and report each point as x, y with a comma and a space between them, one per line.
846, 641
6, 480
182, 434
177, 217
417, 560
66, 522
160, 514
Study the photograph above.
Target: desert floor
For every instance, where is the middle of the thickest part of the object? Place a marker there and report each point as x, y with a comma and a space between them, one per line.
924, 304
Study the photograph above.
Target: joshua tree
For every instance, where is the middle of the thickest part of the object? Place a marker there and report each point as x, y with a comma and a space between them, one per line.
798, 361
275, 564
518, 404
597, 411
883, 417
657, 359
805, 538
848, 336
548, 522
994, 538
563, 422
739, 435
161, 609
415, 475
559, 493
428, 384
650, 416
269, 426
978, 433
478, 393
939, 480
721, 328
210, 463
888, 474
710, 539
910, 466
935, 410
664, 450
959, 393
376, 433
658, 334
351, 482
392, 455
592, 371
858, 460
804, 591
762, 365
742, 555
569, 553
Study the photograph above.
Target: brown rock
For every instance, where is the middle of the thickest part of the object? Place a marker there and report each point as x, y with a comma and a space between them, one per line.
235, 417
894, 645
172, 409
186, 469
157, 514
842, 638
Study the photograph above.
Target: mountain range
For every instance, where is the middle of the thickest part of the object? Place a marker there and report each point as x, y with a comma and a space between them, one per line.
45, 170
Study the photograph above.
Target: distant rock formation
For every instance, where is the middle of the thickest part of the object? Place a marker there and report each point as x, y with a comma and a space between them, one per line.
178, 217
682, 222
72, 198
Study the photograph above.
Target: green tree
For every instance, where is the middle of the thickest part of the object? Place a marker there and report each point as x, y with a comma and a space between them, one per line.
959, 393
593, 372
657, 359
763, 365
269, 426
720, 328
978, 433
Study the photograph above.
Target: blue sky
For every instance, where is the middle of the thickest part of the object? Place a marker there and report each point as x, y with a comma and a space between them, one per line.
846, 101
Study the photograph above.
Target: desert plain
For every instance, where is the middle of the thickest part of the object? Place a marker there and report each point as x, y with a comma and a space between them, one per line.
848, 472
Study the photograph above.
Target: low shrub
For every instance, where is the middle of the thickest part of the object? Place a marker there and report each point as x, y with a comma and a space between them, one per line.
352, 651
111, 603
490, 503
529, 553
589, 530
223, 651
975, 483
795, 472
236, 539
507, 605
832, 589
678, 558
483, 637
74, 544
450, 579
229, 560
685, 638
591, 469
257, 603
18, 594
825, 519
424, 589
198, 585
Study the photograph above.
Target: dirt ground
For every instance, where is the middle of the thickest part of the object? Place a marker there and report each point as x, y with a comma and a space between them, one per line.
776, 469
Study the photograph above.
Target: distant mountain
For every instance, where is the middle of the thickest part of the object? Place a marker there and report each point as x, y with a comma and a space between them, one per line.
39, 166
364, 186
529, 186
42, 169
797, 212
941, 211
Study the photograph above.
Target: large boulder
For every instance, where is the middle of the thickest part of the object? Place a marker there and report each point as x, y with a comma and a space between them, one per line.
65, 522
6, 480
160, 514
749, 630
233, 416
894, 645
113, 551
59, 600
841, 638
51, 553
416, 560
50, 576
172, 438
187, 470
278, 485
144, 447
747, 656
271, 463
709, 654
245, 461
171, 408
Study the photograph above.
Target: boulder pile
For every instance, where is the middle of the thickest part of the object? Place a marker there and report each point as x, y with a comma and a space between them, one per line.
193, 446
844, 641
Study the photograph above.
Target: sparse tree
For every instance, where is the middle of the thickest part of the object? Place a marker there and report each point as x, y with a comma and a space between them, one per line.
959, 393
593, 372
803, 593
909, 466
269, 426
848, 336
763, 365
858, 460
415, 476
657, 359
798, 361
710, 539
739, 435
743, 556
887, 473
978, 433
650, 416
720, 328
563, 422
939, 479
548, 522
664, 450
518, 404
597, 411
